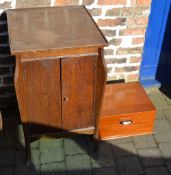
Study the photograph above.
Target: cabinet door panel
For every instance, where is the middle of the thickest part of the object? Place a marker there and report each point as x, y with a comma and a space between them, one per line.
41, 81
78, 91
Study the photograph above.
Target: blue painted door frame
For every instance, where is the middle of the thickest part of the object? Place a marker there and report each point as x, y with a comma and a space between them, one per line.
153, 41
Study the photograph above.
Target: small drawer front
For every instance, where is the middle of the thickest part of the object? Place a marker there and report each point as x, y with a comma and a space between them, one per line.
126, 125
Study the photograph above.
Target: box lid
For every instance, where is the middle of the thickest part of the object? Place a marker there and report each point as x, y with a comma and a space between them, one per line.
52, 28
125, 98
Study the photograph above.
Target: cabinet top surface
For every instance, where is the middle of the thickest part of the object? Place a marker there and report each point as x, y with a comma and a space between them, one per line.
52, 28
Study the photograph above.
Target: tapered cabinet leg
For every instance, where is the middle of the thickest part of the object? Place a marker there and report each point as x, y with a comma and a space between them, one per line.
27, 144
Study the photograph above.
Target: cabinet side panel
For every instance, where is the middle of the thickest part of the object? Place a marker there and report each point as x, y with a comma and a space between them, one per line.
78, 87
42, 92
101, 77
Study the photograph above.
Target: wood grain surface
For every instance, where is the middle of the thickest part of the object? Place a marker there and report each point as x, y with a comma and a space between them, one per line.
123, 98
42, 91
52, 28
78, 89
101, 78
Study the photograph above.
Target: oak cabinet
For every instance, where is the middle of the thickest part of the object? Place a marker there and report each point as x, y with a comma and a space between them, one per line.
60, 71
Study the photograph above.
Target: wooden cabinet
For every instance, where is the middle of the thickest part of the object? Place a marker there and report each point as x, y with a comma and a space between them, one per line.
60, 72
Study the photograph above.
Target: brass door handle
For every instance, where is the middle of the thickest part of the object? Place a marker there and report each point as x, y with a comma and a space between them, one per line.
66, 99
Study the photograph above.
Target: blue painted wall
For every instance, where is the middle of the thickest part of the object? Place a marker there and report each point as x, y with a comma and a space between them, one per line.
163, 73
154, 40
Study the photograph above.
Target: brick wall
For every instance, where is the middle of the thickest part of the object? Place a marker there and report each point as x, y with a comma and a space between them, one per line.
123, 22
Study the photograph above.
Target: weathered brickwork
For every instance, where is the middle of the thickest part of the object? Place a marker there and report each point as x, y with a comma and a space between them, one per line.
123, 22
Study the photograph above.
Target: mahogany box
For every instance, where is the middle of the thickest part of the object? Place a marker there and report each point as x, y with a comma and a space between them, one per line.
126, 111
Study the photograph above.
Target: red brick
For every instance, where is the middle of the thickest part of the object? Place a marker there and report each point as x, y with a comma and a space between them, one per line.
135, 60
115, 41
142, 20
107, 32
133, 31
67, 2
112, 2
111, 22
88, 2
113, 12
137, 40
132, 11
133, 2
4, 70
8, 80
126, 11
133, 21
108, 51
126, 69
125, 51
109, 69
32, 3
6, 90
95, 11
5, 5
116, 60
143, 2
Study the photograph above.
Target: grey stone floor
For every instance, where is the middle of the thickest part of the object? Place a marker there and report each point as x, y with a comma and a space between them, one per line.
148, 154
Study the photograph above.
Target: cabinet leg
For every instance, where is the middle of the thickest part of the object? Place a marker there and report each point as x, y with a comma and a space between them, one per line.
95, 144
27, 144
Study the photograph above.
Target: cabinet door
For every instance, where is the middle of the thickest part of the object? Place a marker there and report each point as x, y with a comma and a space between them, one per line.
78, 91
42, 91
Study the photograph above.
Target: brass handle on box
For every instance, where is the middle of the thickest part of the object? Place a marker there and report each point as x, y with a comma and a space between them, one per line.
126, 122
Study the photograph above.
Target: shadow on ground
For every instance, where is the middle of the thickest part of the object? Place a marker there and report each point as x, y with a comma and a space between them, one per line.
76, 155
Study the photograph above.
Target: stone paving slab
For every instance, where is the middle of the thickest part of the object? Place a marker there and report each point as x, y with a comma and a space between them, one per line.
146, 155
103, 157
168, 163
53, 168
124, 149
144, 141
129, 165
167, 112
160, 114
165, 150
75, 145
51, 150
20, 166
105, 171
157, 98
77, 164
150, 157
156, 171
162, 131
120, 140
